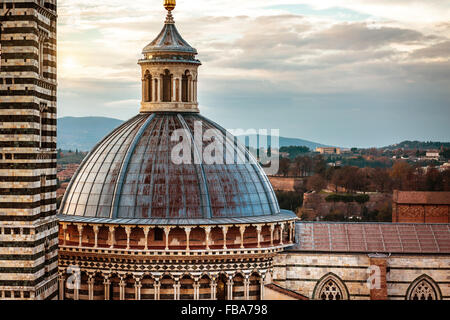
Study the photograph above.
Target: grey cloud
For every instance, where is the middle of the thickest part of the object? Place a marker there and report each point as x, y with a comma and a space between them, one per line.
359, 36
439, 50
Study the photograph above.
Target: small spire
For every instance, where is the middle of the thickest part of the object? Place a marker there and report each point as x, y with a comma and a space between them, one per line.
170, 5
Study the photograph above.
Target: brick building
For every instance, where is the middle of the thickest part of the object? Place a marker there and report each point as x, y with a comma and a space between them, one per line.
28, 227
420, 207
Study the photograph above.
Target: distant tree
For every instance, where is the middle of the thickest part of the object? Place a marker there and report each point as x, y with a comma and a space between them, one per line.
433, 180
289, 200
295, 151
316, 183
400, 172
319, 165
284, 166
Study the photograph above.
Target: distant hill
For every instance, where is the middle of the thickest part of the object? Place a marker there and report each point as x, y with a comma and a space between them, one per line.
287, 142
418, 145
82, 134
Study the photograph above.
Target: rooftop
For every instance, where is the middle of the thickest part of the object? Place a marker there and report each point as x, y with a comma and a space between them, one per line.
372, 237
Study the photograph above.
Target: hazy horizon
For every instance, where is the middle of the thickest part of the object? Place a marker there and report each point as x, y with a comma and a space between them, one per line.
347, 73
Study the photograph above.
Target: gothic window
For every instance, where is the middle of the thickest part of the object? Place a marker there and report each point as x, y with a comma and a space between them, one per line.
423, 288
167, 86
330, 287
330, 291
41, 56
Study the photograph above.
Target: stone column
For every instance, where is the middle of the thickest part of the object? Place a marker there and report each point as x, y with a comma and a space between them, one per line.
159, 88
207, 233
188, 232
107, 284
258, 235
91, 286
247, 286
224, 231
213, 285
166, 232
144, 89
262, 280
157, 284
230, 287
62, 282
176, 288
128, 232
281, 233
137, 287
146, 231
64, 227
111, 236
271, 234
80, 234
242, 231
96, 228
122, 285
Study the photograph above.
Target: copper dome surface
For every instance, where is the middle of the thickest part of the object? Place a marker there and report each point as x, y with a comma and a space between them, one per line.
130, 175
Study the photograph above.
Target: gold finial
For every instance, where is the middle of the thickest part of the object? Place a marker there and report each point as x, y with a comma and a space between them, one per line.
170, 4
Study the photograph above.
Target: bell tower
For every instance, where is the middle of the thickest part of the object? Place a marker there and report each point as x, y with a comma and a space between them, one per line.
169, 71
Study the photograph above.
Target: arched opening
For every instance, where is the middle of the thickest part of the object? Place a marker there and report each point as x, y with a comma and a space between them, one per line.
265, 236
129, 288
120, 238
197, 239
254, 290
187, 288
177, 239
233, 238
137, 238
167, 289
148, 288
103, 237
156, 238
423, 288
114, 287
148, 87
216, 238
99, 287
277, 235
72, 235
185, 87
238, 287
167, 86
88, 236
221, 288
205, 288
83, 293
250, 237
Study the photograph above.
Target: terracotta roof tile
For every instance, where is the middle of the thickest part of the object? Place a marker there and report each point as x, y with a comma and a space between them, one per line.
372, 237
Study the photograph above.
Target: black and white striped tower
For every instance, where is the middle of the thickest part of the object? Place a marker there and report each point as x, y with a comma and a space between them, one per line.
28, 225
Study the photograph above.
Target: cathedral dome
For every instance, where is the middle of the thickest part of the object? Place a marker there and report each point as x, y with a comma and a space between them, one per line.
130, 175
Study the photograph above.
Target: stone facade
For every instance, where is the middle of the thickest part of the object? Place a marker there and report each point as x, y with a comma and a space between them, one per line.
306, 273
28, 226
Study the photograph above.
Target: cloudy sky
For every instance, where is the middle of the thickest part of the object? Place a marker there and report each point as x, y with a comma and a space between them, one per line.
339, 72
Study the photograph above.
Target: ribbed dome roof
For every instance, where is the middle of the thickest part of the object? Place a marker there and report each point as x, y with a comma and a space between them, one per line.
130, 175
169, 40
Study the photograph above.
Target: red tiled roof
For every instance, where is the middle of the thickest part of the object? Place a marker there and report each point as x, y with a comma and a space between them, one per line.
421, 197
372, 237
